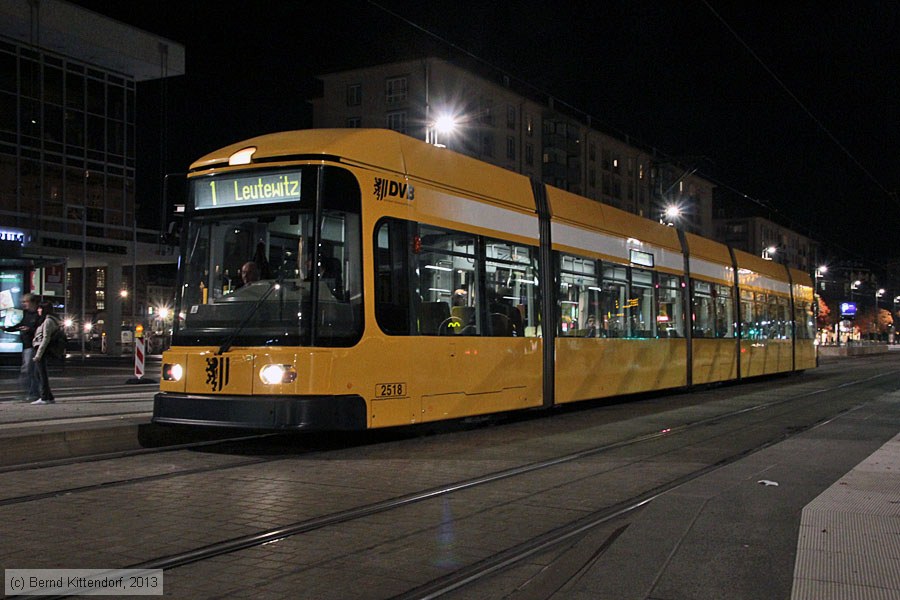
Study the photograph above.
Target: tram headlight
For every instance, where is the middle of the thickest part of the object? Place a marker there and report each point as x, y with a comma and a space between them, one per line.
172, 372
276, 374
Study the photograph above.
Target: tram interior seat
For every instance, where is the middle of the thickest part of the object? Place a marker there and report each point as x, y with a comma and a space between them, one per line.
431, 315
466, 314
500, 325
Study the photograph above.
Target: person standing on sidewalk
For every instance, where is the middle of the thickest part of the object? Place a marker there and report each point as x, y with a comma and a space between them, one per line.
27, 328
48, 324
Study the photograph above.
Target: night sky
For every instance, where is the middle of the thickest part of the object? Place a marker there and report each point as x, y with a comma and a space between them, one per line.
797, 107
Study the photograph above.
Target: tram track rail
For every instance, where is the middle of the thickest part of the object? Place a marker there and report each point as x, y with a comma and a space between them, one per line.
124, 454
527, 548
242, 439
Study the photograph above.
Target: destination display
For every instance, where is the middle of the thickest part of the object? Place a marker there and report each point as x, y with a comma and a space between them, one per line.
225, 191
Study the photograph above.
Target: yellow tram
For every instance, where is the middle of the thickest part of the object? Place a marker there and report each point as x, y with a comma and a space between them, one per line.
353, 279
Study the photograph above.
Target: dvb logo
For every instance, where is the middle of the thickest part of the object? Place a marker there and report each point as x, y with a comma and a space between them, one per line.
385, 188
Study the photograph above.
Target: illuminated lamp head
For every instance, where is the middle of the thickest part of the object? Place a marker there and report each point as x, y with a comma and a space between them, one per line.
242, 157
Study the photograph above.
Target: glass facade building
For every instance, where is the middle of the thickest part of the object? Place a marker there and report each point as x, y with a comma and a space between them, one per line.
67, 145
69, 80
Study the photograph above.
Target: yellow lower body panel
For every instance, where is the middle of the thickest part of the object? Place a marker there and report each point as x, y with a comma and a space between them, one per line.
714, 360
805, 355
764, 357
597, 368
409, 380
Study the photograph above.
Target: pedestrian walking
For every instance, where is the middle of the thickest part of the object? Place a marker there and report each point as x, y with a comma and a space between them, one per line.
48, 325
26, 328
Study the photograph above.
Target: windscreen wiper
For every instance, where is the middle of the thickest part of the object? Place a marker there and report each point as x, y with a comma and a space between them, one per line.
226, 345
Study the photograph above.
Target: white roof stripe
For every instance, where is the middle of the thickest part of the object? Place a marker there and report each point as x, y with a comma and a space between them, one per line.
482, 214
617, 247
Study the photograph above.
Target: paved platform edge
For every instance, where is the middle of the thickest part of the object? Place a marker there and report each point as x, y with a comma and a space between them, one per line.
48, 441
849, 543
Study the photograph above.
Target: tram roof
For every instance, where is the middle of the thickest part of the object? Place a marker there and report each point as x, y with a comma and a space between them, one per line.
416, 160
385, 150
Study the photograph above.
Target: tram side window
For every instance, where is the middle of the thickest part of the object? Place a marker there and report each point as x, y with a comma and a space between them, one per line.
670, 315
749, 329
511, 288
579, 298
704, 310
643, 321
764, 320
778, 309
773, 327
614, 301
805, 321
724, 312
446, 263
338, 260
392, 293
435, 281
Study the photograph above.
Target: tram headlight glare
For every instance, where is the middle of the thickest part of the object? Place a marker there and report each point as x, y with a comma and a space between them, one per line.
172, 372
276, 374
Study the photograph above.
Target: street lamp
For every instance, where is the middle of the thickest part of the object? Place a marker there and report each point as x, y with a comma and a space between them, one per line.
768, 252
670, 215
820, 272
444, 125
878, 294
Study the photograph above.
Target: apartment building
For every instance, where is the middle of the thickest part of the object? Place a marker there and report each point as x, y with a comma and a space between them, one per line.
499, 121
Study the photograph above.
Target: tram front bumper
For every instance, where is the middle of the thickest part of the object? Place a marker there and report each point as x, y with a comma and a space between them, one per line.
311, 413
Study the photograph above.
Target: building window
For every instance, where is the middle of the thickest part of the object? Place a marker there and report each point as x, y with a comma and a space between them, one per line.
606, 161
511, 148
397, 121
487, 145
354, 122
486, 115
592, 151
396, 90
592, 177
100, 289
529, 125
354, 94
510, 116
529, 154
